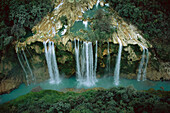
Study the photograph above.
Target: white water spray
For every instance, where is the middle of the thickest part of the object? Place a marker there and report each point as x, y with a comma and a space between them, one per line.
142, 67
117, 67
79, 77
55, 66
85, 24
95, 67
97, 4
146, 63
51, 63
28, 65
23, 68
87, 75
56, 8
108, 60
141, 64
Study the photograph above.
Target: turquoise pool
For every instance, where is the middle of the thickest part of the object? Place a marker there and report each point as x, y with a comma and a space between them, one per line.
106, 82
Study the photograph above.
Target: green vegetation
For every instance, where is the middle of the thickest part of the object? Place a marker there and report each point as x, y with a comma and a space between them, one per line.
151, 17
63, 20
101, 26
118, 99
19, 16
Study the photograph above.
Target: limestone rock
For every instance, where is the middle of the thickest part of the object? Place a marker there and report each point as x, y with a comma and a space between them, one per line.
132, 55
62, 59
105, 52
9, 84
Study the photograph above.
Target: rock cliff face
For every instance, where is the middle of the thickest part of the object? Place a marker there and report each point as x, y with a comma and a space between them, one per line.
51, 24
11, 74
48, 28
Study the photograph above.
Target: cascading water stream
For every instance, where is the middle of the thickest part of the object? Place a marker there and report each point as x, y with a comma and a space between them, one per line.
86, 72
97, 4
83, 61
48, 59
117, 67
146, 63
51, 63
89, 65
95, 67
79, 77
56, 8
55, 66
85, 24
28, 52
108, 60
28, 65
141, 64
23, 67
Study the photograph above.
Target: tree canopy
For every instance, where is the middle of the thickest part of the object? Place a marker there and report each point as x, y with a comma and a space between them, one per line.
19, 16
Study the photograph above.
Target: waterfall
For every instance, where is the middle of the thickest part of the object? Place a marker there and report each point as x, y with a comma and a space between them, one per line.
85, 24
28, 52
141, 64
55, 66
108, 60
51, 62
77, 60
146, 63
23, 60
95, 67
86, 73
89, 65
107, 5
82, 10
142, 67
65, 30
23, 68
97, 4
117, 67
56, 8
28, 65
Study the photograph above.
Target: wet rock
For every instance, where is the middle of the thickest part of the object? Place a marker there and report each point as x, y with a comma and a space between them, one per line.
63, 59
153, 74
7, 85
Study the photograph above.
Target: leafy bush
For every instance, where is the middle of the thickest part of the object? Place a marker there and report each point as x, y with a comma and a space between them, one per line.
19, 16
102, 28
118, 99
63, 20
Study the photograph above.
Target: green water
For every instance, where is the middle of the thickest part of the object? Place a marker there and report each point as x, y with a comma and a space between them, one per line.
91, 13
106, 82
77, 26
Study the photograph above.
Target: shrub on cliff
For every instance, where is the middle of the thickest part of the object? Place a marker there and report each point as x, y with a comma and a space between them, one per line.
102, 28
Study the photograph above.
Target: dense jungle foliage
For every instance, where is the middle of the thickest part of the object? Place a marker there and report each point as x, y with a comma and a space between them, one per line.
19, 16
101, 25
151, 17
114, 100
